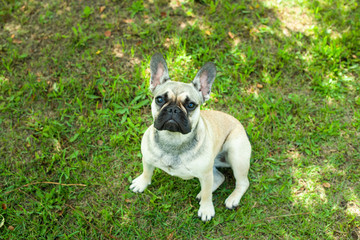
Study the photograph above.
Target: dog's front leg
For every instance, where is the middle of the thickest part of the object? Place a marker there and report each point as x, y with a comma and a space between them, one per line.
141, 182
206, 210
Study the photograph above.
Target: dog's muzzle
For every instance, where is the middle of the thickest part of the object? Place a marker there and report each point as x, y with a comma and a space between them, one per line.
173, 119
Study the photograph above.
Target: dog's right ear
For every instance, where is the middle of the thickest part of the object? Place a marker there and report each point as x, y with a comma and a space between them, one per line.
159, 71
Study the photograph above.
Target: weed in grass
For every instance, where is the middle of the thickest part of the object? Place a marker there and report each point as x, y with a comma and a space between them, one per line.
87, 12
136, 6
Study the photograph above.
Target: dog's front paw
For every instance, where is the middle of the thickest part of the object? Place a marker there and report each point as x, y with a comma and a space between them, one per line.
232, 201
139, 184
206, 212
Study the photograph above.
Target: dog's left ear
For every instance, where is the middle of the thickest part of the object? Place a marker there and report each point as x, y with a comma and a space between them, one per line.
159, 71
204, 80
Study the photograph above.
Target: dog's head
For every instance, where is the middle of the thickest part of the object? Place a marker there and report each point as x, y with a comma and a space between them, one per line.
176, 105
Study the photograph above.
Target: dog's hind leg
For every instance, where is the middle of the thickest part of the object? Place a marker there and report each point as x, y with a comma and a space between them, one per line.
242, 184
239, 152
218, 179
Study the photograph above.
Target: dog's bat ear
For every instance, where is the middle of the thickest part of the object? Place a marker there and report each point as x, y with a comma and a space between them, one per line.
204, 80
159, 71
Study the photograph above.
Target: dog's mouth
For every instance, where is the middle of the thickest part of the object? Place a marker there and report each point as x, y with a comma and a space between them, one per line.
171, 126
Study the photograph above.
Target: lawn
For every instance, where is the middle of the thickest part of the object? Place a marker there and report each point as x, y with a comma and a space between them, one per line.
75, 101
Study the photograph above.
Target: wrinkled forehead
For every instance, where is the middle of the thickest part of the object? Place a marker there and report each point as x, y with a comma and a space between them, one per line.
178, 91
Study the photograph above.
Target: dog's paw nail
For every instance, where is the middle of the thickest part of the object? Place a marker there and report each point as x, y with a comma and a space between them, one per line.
205, 218
231, 208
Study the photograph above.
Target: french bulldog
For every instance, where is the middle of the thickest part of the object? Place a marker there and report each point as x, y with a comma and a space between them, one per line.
187, 142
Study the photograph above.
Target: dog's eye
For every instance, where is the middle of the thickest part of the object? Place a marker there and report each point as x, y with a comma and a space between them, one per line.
191, 106
159, 100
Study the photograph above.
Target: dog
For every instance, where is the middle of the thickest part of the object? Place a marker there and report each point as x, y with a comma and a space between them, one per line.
187, 142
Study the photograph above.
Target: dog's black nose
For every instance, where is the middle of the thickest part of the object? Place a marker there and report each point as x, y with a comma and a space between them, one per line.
173, 109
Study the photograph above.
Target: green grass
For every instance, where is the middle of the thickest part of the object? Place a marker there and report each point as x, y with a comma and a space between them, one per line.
74, 103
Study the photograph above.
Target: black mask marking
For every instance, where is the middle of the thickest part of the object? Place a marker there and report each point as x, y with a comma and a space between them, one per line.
173, 119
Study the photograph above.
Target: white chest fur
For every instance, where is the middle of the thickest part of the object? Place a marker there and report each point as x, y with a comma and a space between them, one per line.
174, 165
178, 155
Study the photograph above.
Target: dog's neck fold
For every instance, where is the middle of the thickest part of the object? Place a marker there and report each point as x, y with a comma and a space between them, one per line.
175, 143
173, 139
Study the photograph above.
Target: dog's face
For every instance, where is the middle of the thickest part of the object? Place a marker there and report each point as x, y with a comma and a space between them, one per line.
176, 105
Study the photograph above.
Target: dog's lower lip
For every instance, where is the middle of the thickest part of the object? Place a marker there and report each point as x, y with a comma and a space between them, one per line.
172, 126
